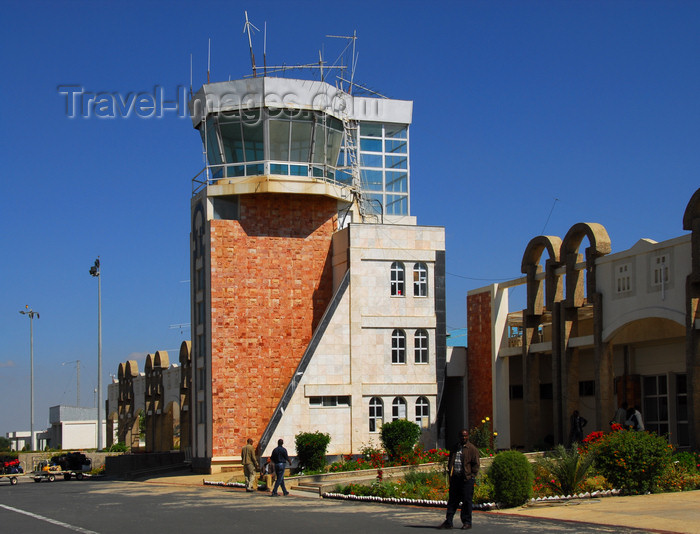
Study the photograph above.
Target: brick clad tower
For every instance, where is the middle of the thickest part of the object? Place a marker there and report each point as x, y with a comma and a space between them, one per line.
316, 299
271, 284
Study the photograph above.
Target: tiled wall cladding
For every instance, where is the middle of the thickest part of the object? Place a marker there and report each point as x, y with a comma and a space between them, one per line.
479, 357
271, 281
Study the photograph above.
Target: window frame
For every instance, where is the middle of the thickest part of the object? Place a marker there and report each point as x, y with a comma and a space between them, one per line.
422, 411
421, 344
396, 405
420, 279
376, 414
398, 279
398, 346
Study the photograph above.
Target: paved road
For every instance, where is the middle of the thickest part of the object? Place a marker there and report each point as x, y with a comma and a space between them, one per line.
105, 507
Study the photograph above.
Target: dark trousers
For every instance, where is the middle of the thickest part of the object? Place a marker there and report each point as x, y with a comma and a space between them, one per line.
461, 490
279, 471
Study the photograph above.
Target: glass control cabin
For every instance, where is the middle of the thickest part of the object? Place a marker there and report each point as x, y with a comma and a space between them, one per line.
296, 131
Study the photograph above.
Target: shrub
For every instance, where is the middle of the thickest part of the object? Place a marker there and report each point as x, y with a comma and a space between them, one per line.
676, 477
512, 478
311, 450
632, 461
399, 437
117, 447
483, 489
565, 470
373, 455
689, 460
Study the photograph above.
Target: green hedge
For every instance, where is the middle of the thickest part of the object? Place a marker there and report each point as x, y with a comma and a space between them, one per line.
512, 477
399, 437
633, 461
311, 450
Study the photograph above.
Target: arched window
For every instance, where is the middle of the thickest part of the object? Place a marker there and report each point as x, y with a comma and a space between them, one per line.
422, 412
398, 276
420, 346
420, 280
398, 346
376, 414
398, 409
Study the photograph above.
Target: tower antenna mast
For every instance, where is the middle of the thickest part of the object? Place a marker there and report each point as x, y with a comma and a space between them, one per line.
246, 29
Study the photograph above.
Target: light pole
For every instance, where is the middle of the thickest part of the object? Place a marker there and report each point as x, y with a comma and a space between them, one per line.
31, 313
95, 271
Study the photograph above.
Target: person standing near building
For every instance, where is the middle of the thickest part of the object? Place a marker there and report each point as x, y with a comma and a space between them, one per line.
620, 415
250, 465
634, 419
280, 459
463, 466
577, 424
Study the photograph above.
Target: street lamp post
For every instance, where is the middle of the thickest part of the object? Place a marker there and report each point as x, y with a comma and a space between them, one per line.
31, 313
95, 271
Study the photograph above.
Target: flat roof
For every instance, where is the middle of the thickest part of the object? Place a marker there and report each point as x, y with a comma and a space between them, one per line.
251, 93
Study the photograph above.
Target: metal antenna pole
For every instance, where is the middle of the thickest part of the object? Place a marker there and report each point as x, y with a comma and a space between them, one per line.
246, 29
77, 392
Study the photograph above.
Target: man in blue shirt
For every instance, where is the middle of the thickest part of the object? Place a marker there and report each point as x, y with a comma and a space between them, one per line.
280, 459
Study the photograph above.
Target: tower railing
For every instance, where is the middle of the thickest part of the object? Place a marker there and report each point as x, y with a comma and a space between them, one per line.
228, 173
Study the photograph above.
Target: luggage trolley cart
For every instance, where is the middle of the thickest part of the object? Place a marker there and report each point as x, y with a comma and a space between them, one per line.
72, 465
12, 470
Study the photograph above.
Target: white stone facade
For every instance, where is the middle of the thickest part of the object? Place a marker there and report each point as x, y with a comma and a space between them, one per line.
354, 356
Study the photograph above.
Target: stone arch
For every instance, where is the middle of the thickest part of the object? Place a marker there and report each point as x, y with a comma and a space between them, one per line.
531, 266
127, 427
161, 360
150, 401
692, 211
691, 222
599, 246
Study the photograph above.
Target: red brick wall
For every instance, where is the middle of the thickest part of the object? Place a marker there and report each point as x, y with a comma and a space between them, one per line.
271, 281
479, 358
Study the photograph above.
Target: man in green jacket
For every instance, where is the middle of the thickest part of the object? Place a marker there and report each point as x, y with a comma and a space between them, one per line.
250, 465
463, 466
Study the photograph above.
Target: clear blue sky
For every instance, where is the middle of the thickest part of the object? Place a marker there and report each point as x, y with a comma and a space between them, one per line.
516, 103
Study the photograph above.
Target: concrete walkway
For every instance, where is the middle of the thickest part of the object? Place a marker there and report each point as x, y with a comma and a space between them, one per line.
665, 512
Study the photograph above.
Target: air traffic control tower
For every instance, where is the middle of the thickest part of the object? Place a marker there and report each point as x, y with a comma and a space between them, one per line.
317, 302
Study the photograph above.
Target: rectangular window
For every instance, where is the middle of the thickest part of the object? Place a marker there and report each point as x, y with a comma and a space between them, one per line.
655, 404
330, 401
370, 160
546, 391
396, 162
372, 180
396, 205
396, 131
370, 129
586, 388
397, 181
371, 145
516, 391
623, 278
682, 428
660, 275
395, 146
